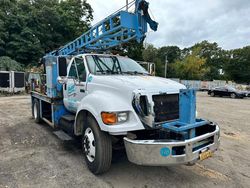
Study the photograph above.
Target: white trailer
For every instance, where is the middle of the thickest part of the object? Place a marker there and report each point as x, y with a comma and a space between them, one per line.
12, 81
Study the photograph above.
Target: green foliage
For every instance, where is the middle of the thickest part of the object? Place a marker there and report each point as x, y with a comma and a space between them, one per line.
202, 61
215, 56
150, 54
8, 64
29, 29
238, 66
172, 53
132, 49
158, 56
192, 67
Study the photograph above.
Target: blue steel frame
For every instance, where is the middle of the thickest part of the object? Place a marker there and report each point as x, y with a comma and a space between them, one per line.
117, 29
187, 121
57, 107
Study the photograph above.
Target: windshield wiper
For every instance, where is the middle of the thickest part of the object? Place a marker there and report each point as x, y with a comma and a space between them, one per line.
134, 73
107, 72
97, 60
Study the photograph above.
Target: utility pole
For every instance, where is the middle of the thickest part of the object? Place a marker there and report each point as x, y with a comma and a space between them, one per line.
166, 66
127, 5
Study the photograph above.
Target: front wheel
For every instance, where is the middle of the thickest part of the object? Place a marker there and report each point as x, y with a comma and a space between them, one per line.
212, 94
97, 147
233, 96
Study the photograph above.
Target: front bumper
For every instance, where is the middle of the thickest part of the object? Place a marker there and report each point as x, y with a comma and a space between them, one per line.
160, 152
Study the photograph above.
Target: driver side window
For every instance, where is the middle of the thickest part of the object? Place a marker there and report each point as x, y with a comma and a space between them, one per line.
77, 70
73, 71
81, 69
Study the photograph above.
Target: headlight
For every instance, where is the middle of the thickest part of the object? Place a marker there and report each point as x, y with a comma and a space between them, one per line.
122, 117
111, 118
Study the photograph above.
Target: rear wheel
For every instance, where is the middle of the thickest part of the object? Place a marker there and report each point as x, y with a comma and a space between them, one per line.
36, 111
233, 96
97, 147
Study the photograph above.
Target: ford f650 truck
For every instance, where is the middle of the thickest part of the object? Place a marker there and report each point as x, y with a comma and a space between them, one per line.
110, 100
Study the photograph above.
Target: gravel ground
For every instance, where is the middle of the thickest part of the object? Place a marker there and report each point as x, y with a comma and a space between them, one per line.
32, 156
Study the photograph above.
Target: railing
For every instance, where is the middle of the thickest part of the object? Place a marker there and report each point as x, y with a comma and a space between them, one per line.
118, 28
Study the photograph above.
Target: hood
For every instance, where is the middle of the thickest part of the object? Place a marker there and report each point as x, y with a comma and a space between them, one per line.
244, 92
137, 82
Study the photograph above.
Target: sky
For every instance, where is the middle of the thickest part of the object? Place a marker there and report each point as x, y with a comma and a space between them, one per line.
186, 22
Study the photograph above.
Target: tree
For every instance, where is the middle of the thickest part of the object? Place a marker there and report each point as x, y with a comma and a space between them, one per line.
192, 67
215, 57
238, 67
132, 49
29, 29
158, 56
172, 53
8, 64
150, 54
77, 15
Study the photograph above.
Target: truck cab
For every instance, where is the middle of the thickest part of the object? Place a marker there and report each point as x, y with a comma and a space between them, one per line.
102, 84
110, 100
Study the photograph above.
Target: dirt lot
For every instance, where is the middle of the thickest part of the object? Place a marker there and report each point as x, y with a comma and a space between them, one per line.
32, 156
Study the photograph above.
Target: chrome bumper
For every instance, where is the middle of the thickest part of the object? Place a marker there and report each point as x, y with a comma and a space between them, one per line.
159, 152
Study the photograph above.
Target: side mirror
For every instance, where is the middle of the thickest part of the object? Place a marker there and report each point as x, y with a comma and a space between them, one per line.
62, 80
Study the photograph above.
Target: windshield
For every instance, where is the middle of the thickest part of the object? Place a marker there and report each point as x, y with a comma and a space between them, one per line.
230, 88
114, 65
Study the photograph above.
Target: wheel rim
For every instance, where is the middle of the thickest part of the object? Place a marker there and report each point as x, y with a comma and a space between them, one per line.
212, 94
35, 111
233, 95
89, 144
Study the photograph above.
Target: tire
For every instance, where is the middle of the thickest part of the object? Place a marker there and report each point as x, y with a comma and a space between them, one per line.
212, 94
36, 111
97, 147
233, 95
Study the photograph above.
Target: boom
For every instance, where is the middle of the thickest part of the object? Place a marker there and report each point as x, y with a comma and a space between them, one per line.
118, 28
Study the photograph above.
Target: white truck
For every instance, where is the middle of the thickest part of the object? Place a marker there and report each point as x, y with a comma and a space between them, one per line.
110, 100
107, 99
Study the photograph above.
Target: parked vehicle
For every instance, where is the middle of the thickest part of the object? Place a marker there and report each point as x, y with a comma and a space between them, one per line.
228, 91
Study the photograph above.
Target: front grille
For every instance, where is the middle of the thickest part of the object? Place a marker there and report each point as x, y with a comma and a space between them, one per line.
166, 107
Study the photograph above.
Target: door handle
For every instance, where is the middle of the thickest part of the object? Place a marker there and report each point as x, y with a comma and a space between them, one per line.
80, 84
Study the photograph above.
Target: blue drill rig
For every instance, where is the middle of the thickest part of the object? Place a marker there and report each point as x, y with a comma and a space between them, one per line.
110, 100
118, 28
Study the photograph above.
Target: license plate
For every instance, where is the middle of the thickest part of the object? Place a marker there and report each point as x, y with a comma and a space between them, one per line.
206, 154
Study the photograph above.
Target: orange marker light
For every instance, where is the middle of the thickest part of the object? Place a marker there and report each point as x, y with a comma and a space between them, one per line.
109, 118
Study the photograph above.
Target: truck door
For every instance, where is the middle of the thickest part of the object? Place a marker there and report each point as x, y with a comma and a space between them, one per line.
75, 88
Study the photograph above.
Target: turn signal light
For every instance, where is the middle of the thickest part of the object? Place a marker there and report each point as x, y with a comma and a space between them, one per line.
109, 118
